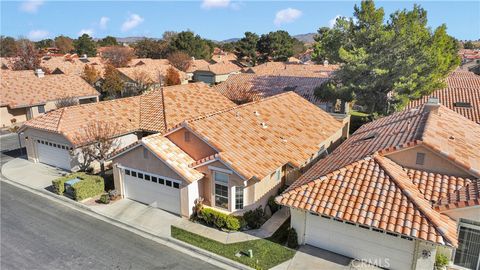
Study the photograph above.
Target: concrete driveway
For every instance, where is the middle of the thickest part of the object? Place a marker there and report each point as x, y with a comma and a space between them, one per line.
34, 175
309, 257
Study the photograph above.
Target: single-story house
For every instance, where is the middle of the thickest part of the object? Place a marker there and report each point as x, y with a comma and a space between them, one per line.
27, 94
235, 159
149, 70
216, 73
400, 190
194, 65
56, 137
461, 95
71, 64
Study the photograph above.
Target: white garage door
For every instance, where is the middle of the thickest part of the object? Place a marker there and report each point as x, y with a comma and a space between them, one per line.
155, 190
355, 242
53, 154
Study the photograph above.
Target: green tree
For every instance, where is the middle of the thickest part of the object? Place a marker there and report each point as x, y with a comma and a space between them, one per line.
246, 48
150, 48
44, 43
8, 46
85, 45
298, 47
192, 44
384, 65
276, 46
64, 44
108, 41
329, 40
468, 45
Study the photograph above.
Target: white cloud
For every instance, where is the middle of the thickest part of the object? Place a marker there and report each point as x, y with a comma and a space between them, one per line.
208, 4
287, 15
133, 21
38, 34
103, 22
31, 6
332, 21
86, 31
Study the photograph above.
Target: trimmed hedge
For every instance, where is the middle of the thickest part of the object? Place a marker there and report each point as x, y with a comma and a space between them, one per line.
88, 187
59, 183
219, 220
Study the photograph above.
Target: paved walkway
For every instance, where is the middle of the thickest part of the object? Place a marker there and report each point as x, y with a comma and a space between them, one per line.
34, 175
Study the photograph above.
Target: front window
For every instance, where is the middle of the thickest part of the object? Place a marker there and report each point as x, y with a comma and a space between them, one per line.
238, 197
41, 109
221, 190
468, 251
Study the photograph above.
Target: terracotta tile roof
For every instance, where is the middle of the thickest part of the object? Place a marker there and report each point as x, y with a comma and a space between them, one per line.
71, 65
257, 87
462, 86
220, 68
258, 137
291, 69
153, 68
154, 111
197, 64
173, 156
24, 88
466, 196
445, 132
223, 56
374, 192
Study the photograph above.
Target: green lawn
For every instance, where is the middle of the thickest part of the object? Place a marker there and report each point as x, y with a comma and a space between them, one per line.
265, 252
359, 114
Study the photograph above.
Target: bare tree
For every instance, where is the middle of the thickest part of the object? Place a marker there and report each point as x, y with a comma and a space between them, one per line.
118, 56
90, 74
101, 143
27, 57
172, 77
180, 60
239, 95
66, 102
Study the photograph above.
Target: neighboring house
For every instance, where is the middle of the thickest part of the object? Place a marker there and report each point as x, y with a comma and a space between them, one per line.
55, 137
399, 190
219, 56
216, 73
28, 94
195, 65
150, 70
71, 64
462, 95
235, 159
292, 69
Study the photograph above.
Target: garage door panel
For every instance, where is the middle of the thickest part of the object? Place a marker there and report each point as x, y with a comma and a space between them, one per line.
154, 191
53, 154
358, 243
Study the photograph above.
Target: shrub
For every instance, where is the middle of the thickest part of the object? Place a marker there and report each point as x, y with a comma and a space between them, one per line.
59, 183
88, 187
105, 198
441, 261
255, 218
219, 220
273, 205
292, 240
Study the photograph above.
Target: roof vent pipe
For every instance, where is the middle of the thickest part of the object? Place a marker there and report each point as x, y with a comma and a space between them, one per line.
256, 113
39, 72
432, 104
264, 125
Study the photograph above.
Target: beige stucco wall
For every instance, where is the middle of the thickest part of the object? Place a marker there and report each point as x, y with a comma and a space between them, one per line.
196, 148
31, 134
7, 115
298, 222
424, 256
433, 161
470, 213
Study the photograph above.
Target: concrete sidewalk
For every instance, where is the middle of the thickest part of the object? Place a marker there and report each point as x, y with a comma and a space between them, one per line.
34, 175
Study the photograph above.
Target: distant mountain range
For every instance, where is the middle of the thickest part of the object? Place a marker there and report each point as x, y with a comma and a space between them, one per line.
307, 38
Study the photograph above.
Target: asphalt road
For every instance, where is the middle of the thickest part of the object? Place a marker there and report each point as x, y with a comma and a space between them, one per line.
37, 233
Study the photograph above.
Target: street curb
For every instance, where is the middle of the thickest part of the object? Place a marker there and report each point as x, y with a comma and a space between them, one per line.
180, 246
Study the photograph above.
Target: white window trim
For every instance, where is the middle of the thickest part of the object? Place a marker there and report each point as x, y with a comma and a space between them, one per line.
229, 201
151, 174
235, 198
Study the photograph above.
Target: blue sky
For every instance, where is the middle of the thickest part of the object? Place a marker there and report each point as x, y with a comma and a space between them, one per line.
214, 19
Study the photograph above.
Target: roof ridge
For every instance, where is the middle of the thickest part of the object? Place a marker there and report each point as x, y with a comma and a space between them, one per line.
60, 117
440, 228
210, 114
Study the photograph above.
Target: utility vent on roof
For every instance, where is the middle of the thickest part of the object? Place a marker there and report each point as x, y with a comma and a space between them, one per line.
257, 113
462, 104
264, 125
370, 136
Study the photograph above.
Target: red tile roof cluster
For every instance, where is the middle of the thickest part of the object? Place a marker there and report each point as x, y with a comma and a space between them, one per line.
150, 69
220, 68
357, 183
71, 64
257, 138
462, 94
292, 69
24, 88
256, 87
155, 111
